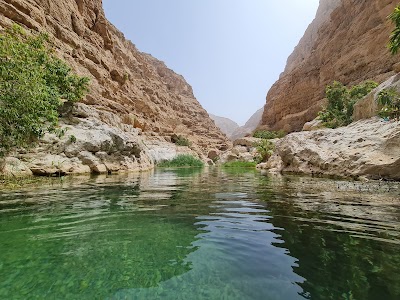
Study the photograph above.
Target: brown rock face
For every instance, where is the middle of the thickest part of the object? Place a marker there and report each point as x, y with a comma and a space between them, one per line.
136, 87
346, 42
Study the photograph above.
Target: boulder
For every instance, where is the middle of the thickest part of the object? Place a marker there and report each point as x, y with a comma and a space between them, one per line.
246, 141
12, 166
313, 125
369, 148
213, 154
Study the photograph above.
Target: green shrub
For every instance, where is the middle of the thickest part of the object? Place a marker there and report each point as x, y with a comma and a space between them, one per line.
33, 83
341, 100
182, 160
239, 164
72, 138
390, 101
181, 141
269, 135
265, 149
394, 42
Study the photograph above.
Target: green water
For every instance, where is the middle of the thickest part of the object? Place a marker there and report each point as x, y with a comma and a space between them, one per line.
191, 234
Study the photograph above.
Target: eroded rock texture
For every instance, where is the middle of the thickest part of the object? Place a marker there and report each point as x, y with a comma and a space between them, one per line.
346, 42
368, 148
136, 87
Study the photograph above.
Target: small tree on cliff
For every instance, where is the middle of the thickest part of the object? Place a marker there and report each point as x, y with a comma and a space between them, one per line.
394, 42
33, 83
341, 100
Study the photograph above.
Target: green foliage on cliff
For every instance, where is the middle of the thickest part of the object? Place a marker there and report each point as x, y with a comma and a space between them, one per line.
183, 160
265, 149
394, 42
269, 135
33, 84
389, 99
180, 140
341, 100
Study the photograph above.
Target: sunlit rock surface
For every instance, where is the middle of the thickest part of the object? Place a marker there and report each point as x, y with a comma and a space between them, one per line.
369, 148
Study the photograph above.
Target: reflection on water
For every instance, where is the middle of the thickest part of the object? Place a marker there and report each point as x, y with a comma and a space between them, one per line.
192, 234
344, 234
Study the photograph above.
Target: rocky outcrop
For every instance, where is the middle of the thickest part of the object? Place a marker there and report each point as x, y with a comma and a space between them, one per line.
226, 125
369, 148
244, 149
90, 145
346, 42
127, 87
249, 127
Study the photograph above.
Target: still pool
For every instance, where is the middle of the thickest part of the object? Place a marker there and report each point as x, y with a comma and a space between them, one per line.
200, 234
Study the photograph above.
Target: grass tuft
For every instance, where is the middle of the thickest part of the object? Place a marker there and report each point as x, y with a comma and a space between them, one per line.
8, 182
183, 160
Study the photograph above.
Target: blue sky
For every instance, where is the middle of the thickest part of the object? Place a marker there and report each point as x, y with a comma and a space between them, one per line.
229, 51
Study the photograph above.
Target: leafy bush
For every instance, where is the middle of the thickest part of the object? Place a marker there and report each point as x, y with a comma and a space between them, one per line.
265, 149
341, 100
239, 164
180, 141
390, 101
72, 138
269, 135
394, 42
183, 160
33, 83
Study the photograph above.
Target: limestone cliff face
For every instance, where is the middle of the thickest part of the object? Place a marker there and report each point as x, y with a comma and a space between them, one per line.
346, 42
135, 87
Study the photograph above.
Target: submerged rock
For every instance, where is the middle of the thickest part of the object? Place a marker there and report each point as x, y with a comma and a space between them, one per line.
12, 166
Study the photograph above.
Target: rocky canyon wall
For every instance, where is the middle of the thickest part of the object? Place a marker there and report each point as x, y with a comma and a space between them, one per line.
345, 42
127, 87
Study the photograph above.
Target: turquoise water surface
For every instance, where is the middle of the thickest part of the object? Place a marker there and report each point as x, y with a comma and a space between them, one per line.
200, 234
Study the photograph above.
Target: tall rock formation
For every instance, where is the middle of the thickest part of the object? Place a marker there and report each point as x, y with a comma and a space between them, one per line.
133, 88
345, 42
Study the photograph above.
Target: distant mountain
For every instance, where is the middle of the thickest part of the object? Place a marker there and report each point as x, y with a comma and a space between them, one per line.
232, 130
226, 125
249, 127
